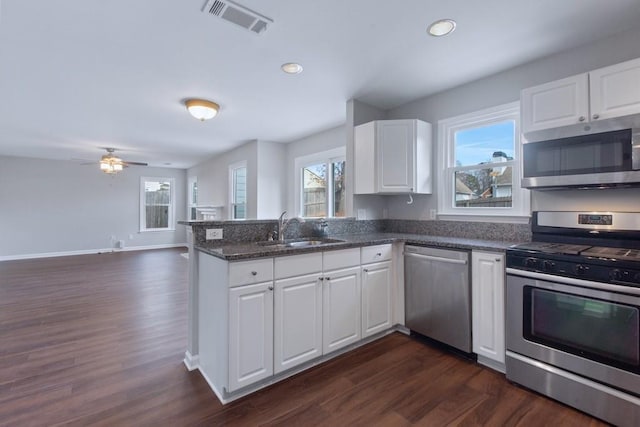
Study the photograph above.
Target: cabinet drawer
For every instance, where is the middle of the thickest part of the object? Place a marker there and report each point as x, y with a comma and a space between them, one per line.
376, 253
248, 272
297, 265
333, 260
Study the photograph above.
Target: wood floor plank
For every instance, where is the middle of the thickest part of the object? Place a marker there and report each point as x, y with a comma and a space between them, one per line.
98, 340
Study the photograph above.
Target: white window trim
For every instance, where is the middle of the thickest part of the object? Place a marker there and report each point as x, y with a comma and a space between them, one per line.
520, 210
172, 206
190, 203
231, 204
333, 155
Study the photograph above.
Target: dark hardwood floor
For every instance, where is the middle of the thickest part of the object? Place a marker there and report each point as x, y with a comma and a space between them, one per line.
99, 340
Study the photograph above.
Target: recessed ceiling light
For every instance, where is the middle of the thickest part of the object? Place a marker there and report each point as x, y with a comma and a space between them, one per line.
291, 68
442, 27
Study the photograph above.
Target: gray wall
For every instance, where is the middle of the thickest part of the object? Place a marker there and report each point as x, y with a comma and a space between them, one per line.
51, 206
505, 87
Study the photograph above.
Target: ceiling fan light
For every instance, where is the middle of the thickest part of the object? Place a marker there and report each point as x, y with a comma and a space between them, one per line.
202, 109
117, 167
104, 165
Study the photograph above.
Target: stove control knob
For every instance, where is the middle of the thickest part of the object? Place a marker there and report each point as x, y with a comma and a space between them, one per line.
581, 269
549, 265
615, 275
530, 262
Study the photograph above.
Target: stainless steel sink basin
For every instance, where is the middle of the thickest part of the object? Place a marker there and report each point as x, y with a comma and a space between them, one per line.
301, 243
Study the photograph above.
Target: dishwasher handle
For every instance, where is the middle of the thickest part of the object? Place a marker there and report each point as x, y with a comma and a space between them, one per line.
438, 259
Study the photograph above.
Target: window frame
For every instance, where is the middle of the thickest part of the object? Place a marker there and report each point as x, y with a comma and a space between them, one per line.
520, 198
171, 225
191, 203
328, 158
232, 187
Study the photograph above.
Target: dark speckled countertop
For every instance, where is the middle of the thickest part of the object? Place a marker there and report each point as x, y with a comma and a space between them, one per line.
249, 250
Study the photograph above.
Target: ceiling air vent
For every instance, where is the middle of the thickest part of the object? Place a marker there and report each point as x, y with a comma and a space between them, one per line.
237, 14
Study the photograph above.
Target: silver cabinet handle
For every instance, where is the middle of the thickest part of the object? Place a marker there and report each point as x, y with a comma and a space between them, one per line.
366, 270
321, 278
254, 273
596, 116
327, 278
270, 288
379, 254
498, 260
582, 118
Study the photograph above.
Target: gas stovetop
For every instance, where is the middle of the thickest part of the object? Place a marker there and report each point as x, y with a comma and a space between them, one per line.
594, 246
583, 250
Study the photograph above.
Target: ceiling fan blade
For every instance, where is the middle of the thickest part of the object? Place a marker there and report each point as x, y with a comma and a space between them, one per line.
135, 163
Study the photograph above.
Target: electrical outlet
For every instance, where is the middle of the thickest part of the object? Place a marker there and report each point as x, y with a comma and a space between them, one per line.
130, 236
362, 214
213, 234
432, 214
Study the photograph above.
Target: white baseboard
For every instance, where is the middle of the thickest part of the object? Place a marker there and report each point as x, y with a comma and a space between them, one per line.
191, 361
90, 252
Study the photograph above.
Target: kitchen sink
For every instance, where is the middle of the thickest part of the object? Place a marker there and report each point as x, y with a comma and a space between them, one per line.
300, 243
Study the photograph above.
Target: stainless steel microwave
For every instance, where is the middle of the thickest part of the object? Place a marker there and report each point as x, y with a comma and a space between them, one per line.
601, 160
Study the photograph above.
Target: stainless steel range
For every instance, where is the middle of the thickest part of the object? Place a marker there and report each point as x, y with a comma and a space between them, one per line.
573, 312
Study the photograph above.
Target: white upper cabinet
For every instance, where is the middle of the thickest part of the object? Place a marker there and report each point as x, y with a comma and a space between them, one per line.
392, 156
561, 103
605, 93
615, 90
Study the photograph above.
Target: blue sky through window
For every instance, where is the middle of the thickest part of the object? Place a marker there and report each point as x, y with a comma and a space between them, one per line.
477, 145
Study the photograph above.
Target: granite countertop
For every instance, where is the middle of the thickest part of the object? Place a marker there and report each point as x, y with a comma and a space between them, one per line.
249, 250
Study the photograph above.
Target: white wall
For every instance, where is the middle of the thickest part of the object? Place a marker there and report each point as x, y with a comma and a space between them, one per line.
505, 87
316, 143
266, 185
213, 178
51, 206
272, 185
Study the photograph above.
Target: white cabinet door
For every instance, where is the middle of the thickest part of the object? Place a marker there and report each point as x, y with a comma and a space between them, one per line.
615, 90
395, 145
376, 298
487, 295
341, 308
392, 156
297, 321
559, 103
250, 334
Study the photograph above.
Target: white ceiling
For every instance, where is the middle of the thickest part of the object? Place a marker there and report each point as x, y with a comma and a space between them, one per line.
77, 75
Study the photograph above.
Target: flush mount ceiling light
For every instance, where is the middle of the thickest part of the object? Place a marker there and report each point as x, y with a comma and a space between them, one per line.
202, 109
442, 27
291, 68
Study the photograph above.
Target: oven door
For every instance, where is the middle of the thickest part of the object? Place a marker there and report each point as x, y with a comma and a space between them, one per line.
589, 328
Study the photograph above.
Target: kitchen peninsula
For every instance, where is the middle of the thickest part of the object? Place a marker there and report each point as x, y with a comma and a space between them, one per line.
262, 311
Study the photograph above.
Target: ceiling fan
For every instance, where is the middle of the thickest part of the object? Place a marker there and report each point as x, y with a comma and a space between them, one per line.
112, 164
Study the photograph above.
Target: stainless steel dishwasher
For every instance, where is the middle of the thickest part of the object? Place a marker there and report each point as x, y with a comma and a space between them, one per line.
438, 295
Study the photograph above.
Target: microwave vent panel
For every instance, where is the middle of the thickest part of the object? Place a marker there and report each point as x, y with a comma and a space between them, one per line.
238, 15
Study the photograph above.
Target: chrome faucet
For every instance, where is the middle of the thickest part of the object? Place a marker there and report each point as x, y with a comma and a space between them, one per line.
282, 224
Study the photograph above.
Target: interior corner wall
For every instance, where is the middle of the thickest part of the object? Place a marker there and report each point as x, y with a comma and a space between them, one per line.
55, 207
505, 87
213, 178
271, 179
368, 206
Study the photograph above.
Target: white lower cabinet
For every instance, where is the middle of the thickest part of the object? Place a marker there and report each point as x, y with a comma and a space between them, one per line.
297, 321
250, 334
376, 298
487, 295
341, 308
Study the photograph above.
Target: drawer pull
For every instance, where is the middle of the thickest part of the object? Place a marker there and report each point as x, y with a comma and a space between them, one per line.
270, 288
366, 270
379, 254
596, 116
581, 118
254, 273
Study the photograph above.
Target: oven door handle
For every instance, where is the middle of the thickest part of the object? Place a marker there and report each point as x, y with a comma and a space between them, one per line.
609, 287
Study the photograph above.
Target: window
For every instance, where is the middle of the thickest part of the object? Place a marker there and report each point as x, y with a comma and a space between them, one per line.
238, 189
192, 212
320, 184
156, 204
480, 161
